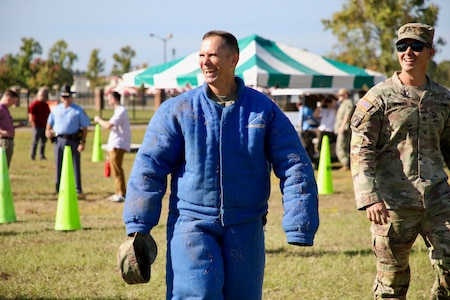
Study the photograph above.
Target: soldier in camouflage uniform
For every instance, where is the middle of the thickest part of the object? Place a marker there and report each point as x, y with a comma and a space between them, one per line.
342, 128
399, 148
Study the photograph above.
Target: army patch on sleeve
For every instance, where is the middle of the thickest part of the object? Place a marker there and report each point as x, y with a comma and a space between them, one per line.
356, 119
365, 104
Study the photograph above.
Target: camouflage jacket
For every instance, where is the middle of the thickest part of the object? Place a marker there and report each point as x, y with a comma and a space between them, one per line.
400, 146
345, 109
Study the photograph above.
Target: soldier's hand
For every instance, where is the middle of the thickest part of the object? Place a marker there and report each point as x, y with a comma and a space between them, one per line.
378, 213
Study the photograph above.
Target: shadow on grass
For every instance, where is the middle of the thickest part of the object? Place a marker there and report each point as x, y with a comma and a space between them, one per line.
285, 252
35, 232
40, 298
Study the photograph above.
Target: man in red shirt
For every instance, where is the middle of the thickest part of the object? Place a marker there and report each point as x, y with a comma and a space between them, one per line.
37, 115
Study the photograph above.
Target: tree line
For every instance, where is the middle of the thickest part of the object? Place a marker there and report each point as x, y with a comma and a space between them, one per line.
366, 31
28, 70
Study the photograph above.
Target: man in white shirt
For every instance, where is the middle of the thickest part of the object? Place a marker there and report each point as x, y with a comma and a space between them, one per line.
118, 142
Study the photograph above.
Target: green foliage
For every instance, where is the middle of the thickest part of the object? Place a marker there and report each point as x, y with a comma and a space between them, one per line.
59, 64
95, 67
28, 50
441, 72
7, 76
17, 70
25, 70
122, 61
367, 29
60, 55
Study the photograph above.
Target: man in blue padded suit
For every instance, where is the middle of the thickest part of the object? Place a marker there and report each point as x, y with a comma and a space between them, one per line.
219, 143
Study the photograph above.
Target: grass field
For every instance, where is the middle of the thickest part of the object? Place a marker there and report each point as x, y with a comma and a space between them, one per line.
38, 262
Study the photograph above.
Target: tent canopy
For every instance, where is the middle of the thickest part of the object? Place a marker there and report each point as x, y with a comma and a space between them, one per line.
264, 64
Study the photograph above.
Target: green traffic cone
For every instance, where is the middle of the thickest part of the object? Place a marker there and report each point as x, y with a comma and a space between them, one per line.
97, 154
324, 181
67, 214
7, 211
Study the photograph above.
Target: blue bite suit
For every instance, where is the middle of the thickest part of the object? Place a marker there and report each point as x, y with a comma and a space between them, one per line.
220, 160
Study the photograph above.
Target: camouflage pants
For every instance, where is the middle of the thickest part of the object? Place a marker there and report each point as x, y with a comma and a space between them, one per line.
343, 147
392, 245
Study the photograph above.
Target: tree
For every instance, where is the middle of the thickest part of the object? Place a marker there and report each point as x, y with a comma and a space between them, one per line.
95, 67
367, 29
122, 62
17, 69
58, 54
37, 80
58, 67
7, 79
28, 50
441, 72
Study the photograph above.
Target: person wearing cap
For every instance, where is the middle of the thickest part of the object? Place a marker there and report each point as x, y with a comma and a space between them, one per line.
67, 125
399, 149
37, 116
119, 141
219, 142
342, 128
7, 127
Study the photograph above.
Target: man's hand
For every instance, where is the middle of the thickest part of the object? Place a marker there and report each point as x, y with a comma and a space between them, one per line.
377, 213
80, 147
49, 133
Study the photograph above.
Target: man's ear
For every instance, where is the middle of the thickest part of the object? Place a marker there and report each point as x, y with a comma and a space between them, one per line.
235, 59
431, 53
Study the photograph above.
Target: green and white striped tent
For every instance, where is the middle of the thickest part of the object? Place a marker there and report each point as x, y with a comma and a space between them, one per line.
263, 64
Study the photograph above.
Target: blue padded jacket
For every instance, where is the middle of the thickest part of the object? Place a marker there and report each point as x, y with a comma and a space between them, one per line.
220, 161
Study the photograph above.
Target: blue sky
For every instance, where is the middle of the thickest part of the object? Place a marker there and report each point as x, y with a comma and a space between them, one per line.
109, 25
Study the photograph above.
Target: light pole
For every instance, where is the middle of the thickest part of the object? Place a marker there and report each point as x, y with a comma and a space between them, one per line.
164, 40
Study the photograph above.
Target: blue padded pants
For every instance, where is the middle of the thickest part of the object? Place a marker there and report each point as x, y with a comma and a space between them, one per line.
209, 261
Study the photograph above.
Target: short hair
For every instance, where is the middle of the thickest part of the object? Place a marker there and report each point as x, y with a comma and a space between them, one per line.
11, 93
43, 90
116, 95
342, 91
230, 39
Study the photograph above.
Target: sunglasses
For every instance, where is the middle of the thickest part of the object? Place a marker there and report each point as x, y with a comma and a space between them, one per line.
415, 46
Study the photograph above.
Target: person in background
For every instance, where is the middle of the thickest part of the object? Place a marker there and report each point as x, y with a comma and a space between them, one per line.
342, 128
220, 142
68, 124
399, 150
119, 141
326, 114
7, 127
37, 116
307, 125
306, 120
